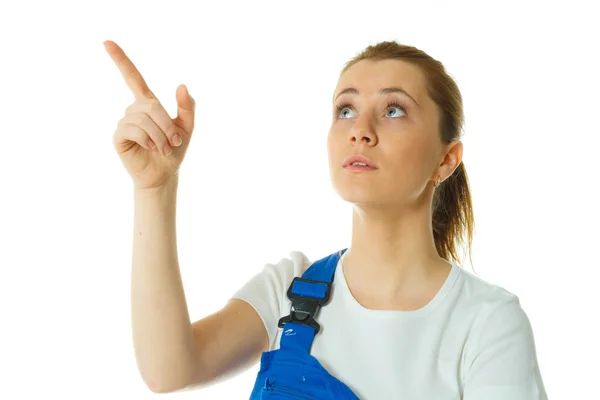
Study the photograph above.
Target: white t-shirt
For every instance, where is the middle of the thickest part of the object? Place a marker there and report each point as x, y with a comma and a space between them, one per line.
472, 341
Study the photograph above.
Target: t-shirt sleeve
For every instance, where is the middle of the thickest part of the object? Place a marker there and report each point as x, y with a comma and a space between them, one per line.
504, 363
266, 291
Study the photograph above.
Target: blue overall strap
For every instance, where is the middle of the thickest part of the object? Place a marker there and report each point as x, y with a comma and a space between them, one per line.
308, 293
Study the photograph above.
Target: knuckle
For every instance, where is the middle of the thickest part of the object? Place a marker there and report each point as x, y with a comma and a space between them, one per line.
121, 126
139, 119
130, 108
116, 138
153, 105
172, 130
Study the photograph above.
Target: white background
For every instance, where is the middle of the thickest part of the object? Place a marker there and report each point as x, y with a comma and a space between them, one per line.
255, 186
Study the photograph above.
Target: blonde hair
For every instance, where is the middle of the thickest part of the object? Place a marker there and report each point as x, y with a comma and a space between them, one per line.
452, 212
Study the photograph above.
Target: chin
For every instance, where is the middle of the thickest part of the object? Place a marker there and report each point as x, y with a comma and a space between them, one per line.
359, 188
358, 193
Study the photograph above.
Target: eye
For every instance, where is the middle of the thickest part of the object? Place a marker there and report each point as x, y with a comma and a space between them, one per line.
393, 105
342, 107
390, 105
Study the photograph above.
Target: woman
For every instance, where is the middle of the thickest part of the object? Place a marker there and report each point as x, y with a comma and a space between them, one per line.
402, 320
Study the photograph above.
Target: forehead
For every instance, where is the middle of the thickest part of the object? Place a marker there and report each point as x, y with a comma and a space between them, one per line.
370, 76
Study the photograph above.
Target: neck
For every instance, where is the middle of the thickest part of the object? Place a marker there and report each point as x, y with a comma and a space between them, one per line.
392, 253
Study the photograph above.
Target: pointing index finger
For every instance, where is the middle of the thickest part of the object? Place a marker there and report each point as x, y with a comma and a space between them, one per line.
132, 76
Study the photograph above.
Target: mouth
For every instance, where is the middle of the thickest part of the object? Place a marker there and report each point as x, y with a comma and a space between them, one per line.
358, 162
355, 167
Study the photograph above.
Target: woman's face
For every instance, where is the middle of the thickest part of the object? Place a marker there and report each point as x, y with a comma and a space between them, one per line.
401, 140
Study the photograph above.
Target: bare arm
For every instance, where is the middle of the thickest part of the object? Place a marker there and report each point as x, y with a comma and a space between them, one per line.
171, 353
162, 334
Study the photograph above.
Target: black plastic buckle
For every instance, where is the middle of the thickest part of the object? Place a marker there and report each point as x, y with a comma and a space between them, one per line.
305, 308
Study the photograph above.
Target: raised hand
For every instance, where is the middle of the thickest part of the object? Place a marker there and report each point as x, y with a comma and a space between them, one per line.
149, 142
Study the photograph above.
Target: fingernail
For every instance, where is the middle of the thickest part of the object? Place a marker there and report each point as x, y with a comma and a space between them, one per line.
167, 149
176, 140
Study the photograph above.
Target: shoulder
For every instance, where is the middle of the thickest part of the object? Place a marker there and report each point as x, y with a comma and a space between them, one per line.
266, 291
489, 310
497, 315
485, 296
282, 272
295, 264
273, 280
500, 359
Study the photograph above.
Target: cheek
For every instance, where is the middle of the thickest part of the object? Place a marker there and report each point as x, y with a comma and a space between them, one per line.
408, 162
332, 148
408, 152
329, 149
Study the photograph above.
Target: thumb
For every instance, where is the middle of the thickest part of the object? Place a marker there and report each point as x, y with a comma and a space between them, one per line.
186, 107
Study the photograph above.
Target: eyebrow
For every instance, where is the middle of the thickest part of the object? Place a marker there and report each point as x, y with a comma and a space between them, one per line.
381, 92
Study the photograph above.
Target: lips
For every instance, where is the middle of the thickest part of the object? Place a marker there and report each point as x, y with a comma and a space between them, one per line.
358, 158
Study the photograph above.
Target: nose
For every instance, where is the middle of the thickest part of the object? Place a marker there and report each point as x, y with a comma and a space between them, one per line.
362, 131
360, 137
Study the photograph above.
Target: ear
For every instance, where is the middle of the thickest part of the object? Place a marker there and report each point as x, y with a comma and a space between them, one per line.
452, 159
